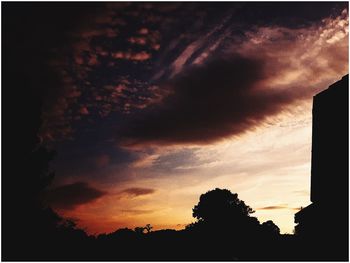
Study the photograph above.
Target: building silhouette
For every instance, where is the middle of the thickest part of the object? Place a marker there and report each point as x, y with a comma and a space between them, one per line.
322, 226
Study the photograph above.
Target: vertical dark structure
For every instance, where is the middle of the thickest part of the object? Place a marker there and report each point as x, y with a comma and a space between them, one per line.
323, 225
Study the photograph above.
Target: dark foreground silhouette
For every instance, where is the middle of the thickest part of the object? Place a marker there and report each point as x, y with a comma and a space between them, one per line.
323, 226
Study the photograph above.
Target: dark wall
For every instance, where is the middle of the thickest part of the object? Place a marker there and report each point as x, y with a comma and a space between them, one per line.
330, 175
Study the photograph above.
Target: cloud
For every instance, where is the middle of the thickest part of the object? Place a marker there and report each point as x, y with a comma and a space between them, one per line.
143, 31
300, 58
71, 195
209, 102
198, 47
136, 56
273, 207
145, 161
137, 191
138, 40
257, 75
309, 52
84, 111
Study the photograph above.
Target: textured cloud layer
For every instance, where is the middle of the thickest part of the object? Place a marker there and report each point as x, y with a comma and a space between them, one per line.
125, 61
226, 95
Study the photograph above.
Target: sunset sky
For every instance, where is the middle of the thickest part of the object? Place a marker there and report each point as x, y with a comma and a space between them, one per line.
154, 104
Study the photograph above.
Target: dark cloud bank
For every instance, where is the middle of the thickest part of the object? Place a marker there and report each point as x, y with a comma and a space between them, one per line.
209, 102
71, 195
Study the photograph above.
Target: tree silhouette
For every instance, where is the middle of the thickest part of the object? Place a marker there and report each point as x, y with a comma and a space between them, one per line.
270, 227
139, 229
148, 228
220, 205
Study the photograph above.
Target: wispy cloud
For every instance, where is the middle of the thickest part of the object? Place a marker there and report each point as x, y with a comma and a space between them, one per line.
137, 191
274, 207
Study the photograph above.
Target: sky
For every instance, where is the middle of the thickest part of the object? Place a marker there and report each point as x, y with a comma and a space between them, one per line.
153, 104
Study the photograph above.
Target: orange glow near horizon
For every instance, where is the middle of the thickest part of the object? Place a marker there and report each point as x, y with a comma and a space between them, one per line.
264, 181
